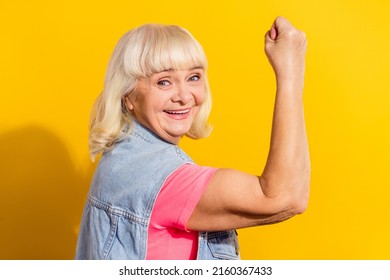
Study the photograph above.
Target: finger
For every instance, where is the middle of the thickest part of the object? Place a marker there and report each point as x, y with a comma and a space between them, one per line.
281, 23
268, 38
273, 33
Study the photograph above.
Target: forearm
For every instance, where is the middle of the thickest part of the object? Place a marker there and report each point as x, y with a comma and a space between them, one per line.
287, 171
286, 176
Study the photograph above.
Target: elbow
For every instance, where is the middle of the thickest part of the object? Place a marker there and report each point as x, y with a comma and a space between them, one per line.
300, 207
291, 195
301, 192
297, 197
300, 200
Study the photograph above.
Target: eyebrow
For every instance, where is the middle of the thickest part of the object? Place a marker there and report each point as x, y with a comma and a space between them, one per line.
196, 67
171, 69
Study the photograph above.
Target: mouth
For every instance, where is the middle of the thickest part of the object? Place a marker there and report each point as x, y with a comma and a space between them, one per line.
178, 114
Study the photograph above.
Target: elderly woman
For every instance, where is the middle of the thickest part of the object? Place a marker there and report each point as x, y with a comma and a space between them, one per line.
148, 199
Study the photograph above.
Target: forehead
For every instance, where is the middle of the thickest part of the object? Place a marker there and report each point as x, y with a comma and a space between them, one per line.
175, 61
164, 51
179, 71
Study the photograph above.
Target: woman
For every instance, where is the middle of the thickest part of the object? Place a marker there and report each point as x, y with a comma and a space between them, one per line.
148, 200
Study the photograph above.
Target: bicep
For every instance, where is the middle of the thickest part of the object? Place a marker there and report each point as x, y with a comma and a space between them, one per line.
234, 199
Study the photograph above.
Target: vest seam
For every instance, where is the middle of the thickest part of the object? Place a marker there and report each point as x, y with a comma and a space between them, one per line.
111, 238
116, 211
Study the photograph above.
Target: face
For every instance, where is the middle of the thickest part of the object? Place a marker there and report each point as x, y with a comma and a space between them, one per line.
167, 102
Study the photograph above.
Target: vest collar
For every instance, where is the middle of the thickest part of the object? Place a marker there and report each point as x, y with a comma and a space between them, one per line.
140, 130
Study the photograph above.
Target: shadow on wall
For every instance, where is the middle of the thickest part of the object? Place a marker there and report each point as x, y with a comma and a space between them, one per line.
41, 196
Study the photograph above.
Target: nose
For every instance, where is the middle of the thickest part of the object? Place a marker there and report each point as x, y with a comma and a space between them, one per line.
183, 94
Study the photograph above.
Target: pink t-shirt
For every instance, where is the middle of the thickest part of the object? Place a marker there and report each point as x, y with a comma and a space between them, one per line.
168, 237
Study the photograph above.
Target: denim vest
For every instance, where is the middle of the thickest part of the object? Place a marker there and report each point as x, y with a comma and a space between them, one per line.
123, 192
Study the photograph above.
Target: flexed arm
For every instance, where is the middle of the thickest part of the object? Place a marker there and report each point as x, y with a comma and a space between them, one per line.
288, 163
235, 199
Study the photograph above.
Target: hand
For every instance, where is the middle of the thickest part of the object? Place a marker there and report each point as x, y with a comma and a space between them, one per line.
285, 47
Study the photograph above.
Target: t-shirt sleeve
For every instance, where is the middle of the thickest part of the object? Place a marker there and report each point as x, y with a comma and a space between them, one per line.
179, 196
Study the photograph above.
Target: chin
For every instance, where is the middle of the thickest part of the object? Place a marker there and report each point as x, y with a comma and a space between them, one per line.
179, 132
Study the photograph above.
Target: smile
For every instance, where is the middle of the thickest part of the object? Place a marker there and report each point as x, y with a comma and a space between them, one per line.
178, 112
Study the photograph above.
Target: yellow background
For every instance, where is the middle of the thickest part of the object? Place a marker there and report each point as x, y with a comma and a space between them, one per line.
53, 56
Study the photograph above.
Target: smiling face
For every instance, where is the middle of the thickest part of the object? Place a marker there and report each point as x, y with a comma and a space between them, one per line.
168, 101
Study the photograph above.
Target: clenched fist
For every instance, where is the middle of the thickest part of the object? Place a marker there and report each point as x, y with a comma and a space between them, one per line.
285, 47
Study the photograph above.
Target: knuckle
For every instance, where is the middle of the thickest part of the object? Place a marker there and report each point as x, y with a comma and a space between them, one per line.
297, 35
292, 32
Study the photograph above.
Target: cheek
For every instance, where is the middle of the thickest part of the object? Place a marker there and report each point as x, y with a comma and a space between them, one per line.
150, 104
200, 96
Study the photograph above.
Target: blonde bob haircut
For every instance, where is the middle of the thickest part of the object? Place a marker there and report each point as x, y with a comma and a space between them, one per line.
140, 53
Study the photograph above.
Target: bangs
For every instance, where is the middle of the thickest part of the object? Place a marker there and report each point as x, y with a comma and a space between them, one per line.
162, 47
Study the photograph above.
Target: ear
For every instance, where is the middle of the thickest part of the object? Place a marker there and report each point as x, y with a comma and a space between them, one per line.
129, 103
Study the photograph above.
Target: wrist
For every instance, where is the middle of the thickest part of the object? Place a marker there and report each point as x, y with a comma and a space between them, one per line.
292, 85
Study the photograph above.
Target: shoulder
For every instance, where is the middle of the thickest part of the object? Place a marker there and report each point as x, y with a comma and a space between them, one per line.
192, 173
185, 186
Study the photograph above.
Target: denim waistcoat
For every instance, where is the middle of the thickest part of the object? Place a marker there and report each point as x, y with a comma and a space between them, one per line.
123, 192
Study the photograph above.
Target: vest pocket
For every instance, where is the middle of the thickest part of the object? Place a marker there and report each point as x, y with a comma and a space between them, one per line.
224, 245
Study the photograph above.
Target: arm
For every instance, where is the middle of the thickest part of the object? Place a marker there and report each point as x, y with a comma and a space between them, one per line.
234, 199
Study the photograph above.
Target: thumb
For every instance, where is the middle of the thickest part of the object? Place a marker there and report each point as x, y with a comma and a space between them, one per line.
273, 33
281, 24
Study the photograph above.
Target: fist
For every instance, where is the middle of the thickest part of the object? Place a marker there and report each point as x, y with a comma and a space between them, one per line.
285, 47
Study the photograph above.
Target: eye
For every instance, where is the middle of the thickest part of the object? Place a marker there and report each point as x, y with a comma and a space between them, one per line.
164, 83
195, 77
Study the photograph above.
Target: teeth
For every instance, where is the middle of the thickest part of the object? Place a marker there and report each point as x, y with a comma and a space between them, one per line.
177, 112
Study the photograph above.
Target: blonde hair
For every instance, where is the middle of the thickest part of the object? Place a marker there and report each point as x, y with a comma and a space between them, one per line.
142, 52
